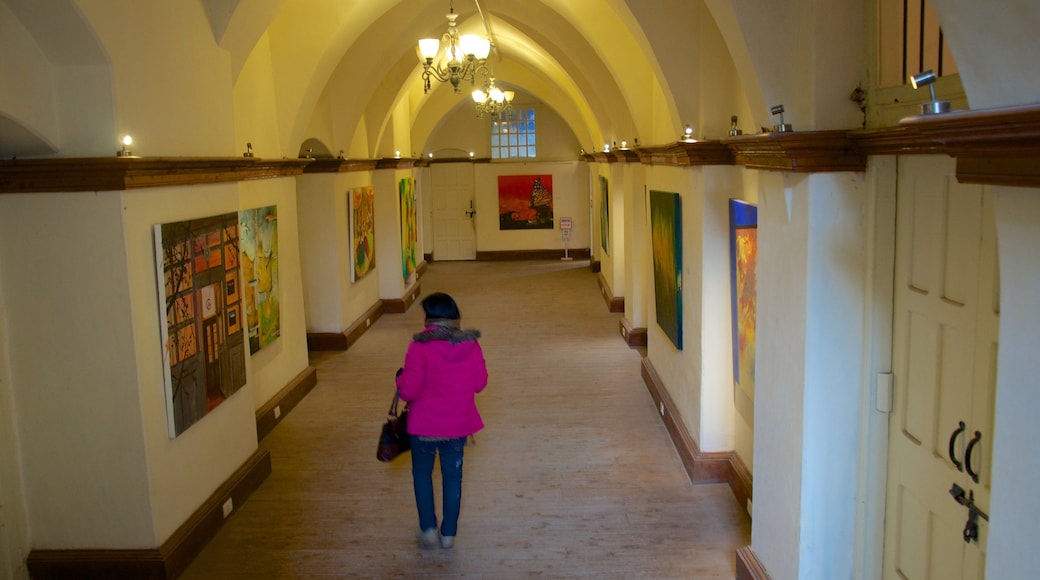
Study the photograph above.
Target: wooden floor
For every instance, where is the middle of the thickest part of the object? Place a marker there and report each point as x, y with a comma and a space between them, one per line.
574, 475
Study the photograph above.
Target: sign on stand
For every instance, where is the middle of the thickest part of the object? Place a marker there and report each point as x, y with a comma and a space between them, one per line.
565, 229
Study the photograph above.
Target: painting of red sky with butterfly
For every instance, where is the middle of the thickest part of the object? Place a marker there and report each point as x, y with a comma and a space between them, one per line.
525, 202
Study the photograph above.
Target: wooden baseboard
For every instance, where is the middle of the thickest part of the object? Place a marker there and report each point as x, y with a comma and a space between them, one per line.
634, 337
702, 467
171, 558
326, 341
749, 567
284, 401
401, 305
614, 303
513, 255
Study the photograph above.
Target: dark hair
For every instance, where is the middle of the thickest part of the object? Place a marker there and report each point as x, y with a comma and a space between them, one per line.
440, 306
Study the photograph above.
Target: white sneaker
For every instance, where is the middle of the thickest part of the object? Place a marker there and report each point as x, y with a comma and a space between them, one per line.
447, 541
428, 538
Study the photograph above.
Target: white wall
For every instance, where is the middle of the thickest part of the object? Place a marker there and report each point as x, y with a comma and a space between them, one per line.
73, 369
332, 302
570, 199
1016, 466
812, 273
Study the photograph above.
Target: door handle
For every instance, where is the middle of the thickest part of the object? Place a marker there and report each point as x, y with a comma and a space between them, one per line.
971, 528
953, 442
967, 456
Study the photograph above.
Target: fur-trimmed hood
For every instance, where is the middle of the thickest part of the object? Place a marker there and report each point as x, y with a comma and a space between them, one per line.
452, 335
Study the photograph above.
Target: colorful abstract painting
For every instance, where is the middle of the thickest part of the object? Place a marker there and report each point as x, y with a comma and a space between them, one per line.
362, 201
525, 202
200, 314
666, 242
604, 215
743, 241
260, 275
409, 228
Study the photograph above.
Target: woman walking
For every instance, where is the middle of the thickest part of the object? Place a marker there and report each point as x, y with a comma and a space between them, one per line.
443, 371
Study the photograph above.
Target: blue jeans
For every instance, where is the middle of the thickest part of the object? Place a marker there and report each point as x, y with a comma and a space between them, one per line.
423, 454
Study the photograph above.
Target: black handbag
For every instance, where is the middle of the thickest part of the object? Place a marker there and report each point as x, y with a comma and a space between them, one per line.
393, 440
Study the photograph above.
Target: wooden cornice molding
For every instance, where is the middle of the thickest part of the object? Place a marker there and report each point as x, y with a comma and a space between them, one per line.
687, 153
993, 146
396, 163
340, 165
123, 173
805, 152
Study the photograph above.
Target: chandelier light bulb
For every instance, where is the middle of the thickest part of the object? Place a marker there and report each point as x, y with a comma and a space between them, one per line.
429, 47
496, 95
479, 96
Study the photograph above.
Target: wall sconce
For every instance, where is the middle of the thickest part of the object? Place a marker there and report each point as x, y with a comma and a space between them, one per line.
249, 150
124, 152
397, 154
471, 155
782, 127
733, 131
624, 145
687, 135
932, 107
606, 147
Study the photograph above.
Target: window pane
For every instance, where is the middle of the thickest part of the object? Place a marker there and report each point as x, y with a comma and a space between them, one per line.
530, 139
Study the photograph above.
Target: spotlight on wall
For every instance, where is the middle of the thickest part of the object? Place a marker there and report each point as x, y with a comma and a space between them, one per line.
781, 127
733, 130
687, 134
397, 154
127, 141
932, 107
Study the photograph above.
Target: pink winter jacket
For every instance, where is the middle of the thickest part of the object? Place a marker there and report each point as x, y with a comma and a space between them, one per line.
443, 371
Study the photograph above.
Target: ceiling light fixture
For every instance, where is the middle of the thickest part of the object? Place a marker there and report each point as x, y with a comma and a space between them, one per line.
464, 56
492, 100
932, 107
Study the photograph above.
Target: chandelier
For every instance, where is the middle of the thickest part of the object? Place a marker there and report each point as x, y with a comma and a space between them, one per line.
492, 100
464, 56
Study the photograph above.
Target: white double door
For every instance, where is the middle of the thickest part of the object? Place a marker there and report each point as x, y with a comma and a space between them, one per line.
454, 232
945, 338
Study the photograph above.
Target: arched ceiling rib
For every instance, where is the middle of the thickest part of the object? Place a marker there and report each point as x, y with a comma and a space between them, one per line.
582, 60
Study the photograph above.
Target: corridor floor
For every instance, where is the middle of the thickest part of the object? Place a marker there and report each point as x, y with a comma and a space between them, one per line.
574, 475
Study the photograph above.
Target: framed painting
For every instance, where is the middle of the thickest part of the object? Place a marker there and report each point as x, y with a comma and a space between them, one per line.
666, 242
525, 202
409, 227
362, 202
203, 344
604, 215
259, 248
743, 249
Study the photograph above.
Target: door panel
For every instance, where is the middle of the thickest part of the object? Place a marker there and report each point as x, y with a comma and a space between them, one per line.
944, 355
454, 236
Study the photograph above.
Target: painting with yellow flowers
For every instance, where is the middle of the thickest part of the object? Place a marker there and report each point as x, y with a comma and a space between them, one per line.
259, 248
